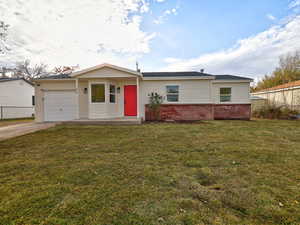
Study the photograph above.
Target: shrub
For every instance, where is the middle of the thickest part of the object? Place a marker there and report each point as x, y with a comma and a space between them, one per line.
272, 111
155, 101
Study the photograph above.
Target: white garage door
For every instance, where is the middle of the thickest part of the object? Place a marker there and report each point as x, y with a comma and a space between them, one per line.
60, 105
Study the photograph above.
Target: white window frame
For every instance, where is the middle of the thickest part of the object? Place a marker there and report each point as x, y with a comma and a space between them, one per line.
90, 93
172, 93
111, 93
220, 95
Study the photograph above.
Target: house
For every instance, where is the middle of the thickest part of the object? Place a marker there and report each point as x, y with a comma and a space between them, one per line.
282, 95
16, 98
107, 91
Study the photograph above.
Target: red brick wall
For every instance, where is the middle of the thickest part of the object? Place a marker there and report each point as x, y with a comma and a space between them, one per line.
183, 112
232, 111
189, 112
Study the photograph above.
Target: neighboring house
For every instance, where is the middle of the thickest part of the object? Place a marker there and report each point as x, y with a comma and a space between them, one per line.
108, 91
282, 95
16, 98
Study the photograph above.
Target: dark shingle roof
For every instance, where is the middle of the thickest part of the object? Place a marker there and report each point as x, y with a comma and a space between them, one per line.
55, 76
175, 74
164, 74
231, 77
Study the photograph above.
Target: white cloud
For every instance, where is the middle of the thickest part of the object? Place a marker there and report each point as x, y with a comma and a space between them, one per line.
254, 56
160, 0
271, 17
161, 19
294, 3
74, 31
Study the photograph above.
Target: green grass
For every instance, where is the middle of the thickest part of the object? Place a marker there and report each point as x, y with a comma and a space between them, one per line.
8, 122
218, 172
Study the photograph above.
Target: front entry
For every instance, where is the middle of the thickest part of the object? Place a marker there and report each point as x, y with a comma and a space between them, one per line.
130, 100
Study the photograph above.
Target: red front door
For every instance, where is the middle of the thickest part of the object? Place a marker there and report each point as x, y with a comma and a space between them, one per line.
130, 100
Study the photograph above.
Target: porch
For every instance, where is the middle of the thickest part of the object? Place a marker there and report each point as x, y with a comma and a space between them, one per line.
107, 121
103, 94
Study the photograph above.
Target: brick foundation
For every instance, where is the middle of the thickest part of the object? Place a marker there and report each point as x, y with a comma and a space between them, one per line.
190, 112
232, 112
182, 112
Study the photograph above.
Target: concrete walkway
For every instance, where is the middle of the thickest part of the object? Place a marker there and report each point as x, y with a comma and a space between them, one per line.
21, 129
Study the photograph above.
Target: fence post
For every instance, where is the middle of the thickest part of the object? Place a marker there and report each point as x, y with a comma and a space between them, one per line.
1, 112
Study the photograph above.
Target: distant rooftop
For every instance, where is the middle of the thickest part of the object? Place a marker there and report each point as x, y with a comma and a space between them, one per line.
282, 86
6, 79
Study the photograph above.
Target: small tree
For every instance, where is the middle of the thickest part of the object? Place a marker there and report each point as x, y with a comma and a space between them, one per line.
28, 71
155, 101
64, 69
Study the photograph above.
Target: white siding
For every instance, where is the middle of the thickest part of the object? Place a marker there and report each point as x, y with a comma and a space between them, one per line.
239, 92
190, 92
17, 93
106, 72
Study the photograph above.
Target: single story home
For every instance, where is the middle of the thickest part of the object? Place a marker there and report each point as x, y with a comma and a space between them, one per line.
287, 94
16, 98
108, 91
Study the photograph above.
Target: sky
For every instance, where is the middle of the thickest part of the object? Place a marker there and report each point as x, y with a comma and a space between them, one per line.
222, 37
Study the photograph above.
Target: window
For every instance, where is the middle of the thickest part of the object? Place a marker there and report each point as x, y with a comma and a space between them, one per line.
225, 94
112, 93
33, 100
172, 93
98, 93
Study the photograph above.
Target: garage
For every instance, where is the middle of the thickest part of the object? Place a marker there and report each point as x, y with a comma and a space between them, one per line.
60, 105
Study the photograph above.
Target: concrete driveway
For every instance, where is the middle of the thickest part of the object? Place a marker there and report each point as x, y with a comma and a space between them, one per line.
21, 129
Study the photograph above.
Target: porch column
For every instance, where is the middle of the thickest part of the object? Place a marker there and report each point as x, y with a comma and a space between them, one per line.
77, 92
138, 96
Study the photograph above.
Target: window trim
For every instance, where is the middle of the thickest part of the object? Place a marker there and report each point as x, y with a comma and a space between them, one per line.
90, 94
111, 93
166, 89
220, 95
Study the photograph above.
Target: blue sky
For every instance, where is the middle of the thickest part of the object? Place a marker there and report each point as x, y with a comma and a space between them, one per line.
206, 26
223, 37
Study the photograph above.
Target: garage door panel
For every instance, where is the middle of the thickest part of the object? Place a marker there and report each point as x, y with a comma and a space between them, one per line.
60, 105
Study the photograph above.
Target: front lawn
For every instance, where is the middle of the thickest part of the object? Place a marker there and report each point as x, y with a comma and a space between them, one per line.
217, 172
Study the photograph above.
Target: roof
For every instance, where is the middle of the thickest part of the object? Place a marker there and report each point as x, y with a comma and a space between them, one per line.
6, 79
105, 65
176, 74
163, 74
187, 74
193, 74
231, 77
282, 86
56, 76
